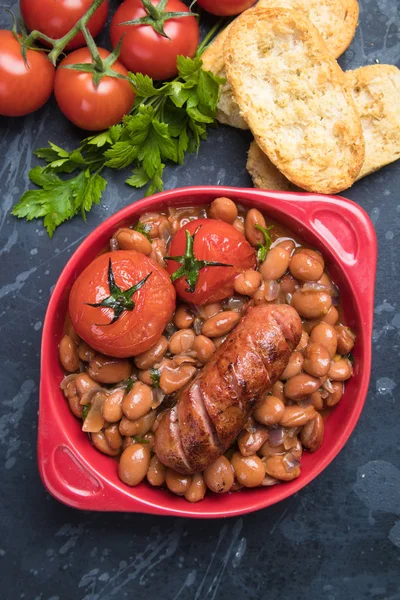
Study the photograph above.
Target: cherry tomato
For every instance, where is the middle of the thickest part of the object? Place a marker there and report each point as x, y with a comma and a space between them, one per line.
85, 105
55, 18
23, 88
146, 51
215, 241
225, 7
134, 331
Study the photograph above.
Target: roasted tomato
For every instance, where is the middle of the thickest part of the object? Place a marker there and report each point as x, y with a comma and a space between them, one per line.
121, 303
204, 258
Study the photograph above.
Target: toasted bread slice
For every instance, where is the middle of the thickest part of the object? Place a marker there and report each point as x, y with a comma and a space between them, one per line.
294, 98
336, 20
376, 92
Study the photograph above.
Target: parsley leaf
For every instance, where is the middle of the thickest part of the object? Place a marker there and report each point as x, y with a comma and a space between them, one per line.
138, 179
188, 67
144, 85
155, 377
59, 199
166, 122
85, 411
129, 384
140, 440
144, 229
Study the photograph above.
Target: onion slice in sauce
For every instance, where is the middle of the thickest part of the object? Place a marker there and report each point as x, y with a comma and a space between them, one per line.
276, 436
94, 421
67, 380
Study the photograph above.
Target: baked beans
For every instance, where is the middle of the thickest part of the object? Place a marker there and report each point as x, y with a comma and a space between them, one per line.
223, 209
134, 464
276, 263
219, 475
129, 239
125, 397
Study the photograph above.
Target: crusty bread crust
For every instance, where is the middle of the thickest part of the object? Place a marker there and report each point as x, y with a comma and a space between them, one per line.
336, 20
263, 173
213, 60
213, 55
294, 97
376, 92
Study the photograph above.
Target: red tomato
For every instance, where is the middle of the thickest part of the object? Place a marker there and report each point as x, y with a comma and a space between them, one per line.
136, 330
23, 89
55, 18
225, 7
214, 241
85, 105
146, 51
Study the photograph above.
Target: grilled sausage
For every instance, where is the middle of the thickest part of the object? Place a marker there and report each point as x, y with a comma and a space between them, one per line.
212, 410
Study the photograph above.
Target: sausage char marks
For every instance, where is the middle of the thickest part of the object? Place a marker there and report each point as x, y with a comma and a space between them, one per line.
212, 410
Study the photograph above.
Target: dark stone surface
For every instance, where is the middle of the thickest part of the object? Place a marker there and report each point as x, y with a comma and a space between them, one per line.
337, 539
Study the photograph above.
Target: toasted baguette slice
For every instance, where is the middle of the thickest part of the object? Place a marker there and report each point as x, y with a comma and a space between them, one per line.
336, 20
293, 96
376, 92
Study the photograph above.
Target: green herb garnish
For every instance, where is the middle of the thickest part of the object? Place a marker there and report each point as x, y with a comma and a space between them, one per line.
144, 229
85, 411
128, 384
263, 249
155, 377
166, 121
140, 440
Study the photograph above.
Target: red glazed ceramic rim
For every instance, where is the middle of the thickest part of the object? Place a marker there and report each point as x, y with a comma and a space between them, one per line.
78, 475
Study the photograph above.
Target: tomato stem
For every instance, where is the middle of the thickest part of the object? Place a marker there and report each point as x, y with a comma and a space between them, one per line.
60, 44
99, 68
191, 267
118, 300
157, 16
98, 63
210, 35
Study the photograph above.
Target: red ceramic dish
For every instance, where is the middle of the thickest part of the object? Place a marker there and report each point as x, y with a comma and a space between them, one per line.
78, 475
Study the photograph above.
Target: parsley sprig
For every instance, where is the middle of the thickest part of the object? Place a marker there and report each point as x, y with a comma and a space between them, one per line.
166, 122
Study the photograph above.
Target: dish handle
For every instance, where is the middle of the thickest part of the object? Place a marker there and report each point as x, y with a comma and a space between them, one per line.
344, 228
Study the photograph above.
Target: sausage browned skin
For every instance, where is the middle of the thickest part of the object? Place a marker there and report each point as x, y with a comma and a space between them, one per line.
212, 410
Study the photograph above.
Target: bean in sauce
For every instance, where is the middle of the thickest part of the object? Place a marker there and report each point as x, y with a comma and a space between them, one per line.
287, 420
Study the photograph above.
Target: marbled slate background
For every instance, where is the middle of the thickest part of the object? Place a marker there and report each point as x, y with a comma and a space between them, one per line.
337, 539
